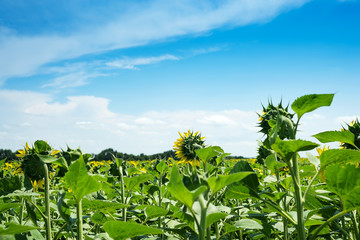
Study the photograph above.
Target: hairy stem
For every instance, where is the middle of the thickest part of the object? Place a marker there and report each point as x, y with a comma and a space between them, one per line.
47, 203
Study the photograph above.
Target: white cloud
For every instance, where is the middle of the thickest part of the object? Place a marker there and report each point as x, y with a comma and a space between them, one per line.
139, 24
86, 121
70, 80
343, 120
132, 63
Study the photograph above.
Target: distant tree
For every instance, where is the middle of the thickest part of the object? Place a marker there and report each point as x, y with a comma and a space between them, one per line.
8, 154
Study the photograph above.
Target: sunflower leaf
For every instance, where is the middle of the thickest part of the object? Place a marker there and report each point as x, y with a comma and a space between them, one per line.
80, 181
309, 103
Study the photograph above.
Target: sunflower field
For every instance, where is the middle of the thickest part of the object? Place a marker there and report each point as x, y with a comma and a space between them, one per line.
203, 194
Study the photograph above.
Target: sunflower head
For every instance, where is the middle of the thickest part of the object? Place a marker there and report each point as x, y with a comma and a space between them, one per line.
186, 145
31, 163
263, 153
269, 116
353, 127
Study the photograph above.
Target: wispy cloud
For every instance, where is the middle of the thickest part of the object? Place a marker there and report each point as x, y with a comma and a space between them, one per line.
140, 24
71, 80
132, 63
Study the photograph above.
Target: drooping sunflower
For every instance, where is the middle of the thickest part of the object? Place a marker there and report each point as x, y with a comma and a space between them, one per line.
186, 145
31, 163
353, 127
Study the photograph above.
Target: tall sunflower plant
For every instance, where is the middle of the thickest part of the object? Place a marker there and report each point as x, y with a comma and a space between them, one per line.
199, 190
308, 180
35, 163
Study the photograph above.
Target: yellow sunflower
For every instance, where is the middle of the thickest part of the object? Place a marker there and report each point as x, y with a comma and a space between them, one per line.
186, 145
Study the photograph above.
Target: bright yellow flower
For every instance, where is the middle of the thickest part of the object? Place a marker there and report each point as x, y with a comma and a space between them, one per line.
54, 152
186, 145
135, 163
321, 150
21, 153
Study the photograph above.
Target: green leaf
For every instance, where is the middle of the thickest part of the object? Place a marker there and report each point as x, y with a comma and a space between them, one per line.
7, 206
313, 160
247, 224
51, 159
99, 218
246, 188
186, 218
339, 156
133, 182
162, 166
221, 158
103, 205
344, 180
213, 214
2, 162
214, 217
205, 154
20, 193
80, 181
309, 103
273, 164
219, 182
41, 147
287, 148
336, 136
123, 230
178, 190
13, 228
155, 211
63, 208
10, 184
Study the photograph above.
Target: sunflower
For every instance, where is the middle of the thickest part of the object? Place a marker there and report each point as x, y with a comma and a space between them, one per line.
269, 116
31, 164
353, 127
186, 145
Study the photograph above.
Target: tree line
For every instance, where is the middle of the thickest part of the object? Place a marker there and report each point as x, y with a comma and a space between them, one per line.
109, 152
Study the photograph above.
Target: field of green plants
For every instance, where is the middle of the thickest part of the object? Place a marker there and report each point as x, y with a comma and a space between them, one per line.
52, 194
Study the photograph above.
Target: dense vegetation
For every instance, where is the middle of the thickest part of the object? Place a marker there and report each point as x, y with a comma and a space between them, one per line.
52, 194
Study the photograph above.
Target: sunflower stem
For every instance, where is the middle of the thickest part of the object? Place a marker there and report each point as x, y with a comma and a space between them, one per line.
202, 228
79, 220
47, 203
122, 193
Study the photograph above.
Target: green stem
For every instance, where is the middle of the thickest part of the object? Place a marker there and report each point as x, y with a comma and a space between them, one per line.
217, 232
79, 220
326, 223
356, 226
160, 199
342, 230
122, 193
110, 215
310, 183
37, 207
58, 232
298, 200
279, 210
47, 203
202, 228
21, 215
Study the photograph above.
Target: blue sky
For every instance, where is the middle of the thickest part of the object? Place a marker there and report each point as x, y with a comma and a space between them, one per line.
131, 74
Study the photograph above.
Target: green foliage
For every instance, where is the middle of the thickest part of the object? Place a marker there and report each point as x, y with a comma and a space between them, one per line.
281, 196
178, 190
336, 136
287, 148
13, 228
309, 103
344, 180
123, 230
80, 182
